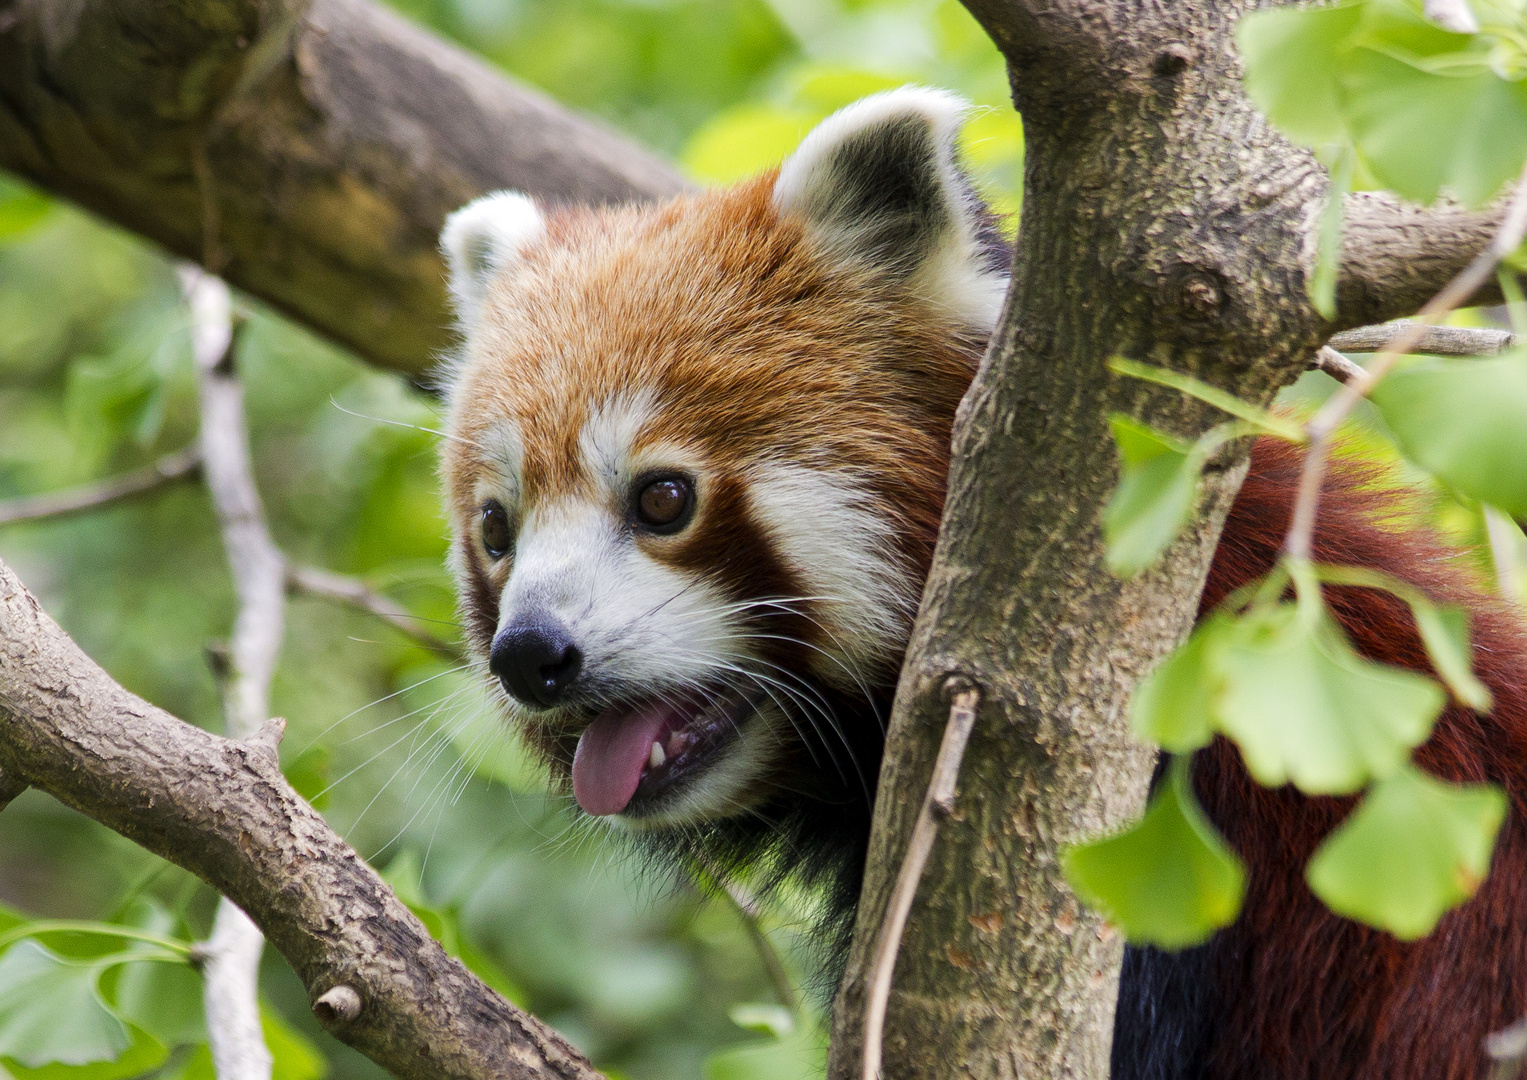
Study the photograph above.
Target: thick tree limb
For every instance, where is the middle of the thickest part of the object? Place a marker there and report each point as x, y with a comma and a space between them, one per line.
222, 810
167, 470
309, 151
1396, 256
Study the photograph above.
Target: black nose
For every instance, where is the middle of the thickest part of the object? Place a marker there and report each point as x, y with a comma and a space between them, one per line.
535, 662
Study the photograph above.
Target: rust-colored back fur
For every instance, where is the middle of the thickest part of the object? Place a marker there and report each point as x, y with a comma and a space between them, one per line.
1304, 993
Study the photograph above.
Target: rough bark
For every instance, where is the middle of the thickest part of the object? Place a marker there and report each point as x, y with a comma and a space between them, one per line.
307, 151
1163, 219
222, 810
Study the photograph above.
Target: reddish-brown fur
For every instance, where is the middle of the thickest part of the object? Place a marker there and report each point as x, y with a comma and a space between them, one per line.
761, 347
1305, 992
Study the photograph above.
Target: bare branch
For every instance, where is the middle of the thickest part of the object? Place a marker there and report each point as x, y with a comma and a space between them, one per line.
167, 470
222, 810
1436, 340
306, 151
231, 975
938, 803
348, 590
1338, 366
1395, 256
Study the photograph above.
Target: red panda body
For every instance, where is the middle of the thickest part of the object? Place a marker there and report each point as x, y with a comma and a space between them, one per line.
695, 468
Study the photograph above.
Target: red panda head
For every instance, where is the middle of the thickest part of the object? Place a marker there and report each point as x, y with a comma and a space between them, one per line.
696, 459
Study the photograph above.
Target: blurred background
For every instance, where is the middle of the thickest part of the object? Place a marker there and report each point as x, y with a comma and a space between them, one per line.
392, 742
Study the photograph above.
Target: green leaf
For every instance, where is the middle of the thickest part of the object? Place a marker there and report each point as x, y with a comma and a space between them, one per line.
1169, 881
773, 1020
1419, 132
799, 1052
1413, 849
311, 775
1293, 57
293, 1055
1158, 486
1173, 705
1463, 420
1445, 632
1223, 400
22, 209
139, 1060
1303, 707
51, 1009
163, 999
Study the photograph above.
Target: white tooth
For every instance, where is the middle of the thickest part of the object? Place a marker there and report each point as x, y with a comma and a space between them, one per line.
657, 757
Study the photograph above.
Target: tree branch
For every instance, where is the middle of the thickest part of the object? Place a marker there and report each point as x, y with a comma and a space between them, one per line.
347, 590
222, 810
1395, 256
230, 977
180, 465
1436, 340
307, 152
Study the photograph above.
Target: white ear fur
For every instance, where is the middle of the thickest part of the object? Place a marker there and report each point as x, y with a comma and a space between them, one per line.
878, 185
481, 239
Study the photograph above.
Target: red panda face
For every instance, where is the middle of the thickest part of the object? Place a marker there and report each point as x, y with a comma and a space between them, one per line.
696, 456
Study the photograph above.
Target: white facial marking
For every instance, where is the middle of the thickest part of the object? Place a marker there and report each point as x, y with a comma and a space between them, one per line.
825, 528
610, 432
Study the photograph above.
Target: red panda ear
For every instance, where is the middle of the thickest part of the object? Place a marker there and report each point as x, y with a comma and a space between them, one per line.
480, 240
879, 186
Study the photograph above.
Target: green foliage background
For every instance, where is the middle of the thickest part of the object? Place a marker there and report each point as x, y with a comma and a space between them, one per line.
398, 749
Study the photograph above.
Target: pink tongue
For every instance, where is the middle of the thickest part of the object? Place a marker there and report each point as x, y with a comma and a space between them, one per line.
611, 754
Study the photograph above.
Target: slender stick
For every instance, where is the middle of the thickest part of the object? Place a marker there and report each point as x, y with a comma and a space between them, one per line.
938, 803
232, 969
167, 470
1506, 239
348, 590
1436, 340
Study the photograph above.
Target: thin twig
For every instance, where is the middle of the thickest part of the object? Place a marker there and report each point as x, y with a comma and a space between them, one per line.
167, 470
232, 969
938, 803
1506, 239
1338, 366
348, 590
1436, 340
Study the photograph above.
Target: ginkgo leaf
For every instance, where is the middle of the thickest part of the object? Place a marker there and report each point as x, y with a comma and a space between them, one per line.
1304, 708
1158, 485
51, 1009
1173, 705
1415, 848
1168, 881
1463, 421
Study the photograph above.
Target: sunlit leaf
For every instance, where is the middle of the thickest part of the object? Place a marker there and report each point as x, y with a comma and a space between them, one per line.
792, 1055
1304, 708
744, 141
51, 1009
773, 1020
293, 1056
1168, 881
1173, 705
1223, 400
1463, 421
1158, 485
1414, 848
1322, 283
1445, 632
1293, 57
1419, 132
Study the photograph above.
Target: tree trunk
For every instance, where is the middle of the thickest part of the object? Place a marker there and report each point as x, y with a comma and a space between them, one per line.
1163, 220
306, 152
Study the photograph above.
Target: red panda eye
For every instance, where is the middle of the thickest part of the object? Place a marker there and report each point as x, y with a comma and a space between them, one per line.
663, 505
496, 535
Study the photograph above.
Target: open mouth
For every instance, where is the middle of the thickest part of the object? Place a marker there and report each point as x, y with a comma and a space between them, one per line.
630, 754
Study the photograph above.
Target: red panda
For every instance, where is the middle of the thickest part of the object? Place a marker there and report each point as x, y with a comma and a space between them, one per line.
695, 467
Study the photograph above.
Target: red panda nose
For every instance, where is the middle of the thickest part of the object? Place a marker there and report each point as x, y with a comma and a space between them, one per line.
535, 662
